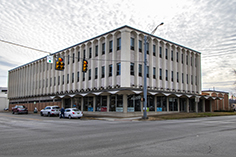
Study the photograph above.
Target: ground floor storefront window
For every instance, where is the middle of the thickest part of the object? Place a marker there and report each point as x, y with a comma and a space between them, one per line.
173, 104
192, 105
134, 103
88, 104
150, 103
101, 103
183, 104
161, 104
116, 103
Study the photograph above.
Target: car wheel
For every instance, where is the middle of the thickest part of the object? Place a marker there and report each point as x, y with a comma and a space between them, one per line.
41, 113
26, 112
69, 116
49, 114
12, 112
79, 117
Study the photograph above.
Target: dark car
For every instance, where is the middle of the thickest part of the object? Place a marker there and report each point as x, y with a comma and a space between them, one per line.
19, 109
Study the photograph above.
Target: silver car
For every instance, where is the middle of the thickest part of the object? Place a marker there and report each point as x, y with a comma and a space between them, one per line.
73, 113
50, 110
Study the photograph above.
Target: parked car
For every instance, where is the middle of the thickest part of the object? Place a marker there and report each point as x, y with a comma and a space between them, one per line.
19, 109
5, 109
72, 113
50, 110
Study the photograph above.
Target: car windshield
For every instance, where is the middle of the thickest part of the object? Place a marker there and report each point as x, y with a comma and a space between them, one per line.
75, 109
56, 108
21, 107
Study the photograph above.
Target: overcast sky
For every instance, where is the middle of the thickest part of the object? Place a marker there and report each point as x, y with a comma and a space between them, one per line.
207, 26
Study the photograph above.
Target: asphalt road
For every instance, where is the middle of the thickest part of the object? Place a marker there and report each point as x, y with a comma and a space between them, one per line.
48, 136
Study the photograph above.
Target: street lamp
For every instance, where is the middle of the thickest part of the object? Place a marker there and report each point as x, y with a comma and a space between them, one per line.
146, 39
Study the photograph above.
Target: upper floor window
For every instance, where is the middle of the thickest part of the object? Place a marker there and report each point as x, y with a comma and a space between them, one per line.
118, 43
140, 45
68, 79
118, 69
132, 43
96, 50
186, 59
68, 59
147, 71
110, 70
103, 48
78, 56
154, 72
177, 76
110, 46
72, 79
160, 73
177, 56
84, 53
160, 52
103, 71
73, 59
78, 76
172, 76
89, 74
166, 53
96, 73
172, 55
131, 68
182, 58
140, 70
166, 75
154, 50
90, 52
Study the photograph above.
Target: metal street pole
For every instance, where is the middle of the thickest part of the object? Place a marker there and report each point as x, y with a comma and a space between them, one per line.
146, 39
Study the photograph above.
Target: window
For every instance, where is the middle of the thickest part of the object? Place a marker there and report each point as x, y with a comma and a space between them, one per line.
103, 48
72, 79
96, 51
140, 45
63, 78
84, 53
46, 82
182, 77
195, 80
148, 71
191, 61
166, 75
110, 46
118, 69
172, 55
154, 72
160, 53
89, 77
191, 79
118, 43
172, 76
54, 81
195, 62
78, 76
58, 80
177, 76
131, 68
96, 73
147, 48
177, 57
68, 78
187, 78
132, 43
110, 70
78, 56
140, 70
182, 58
68, 59
166, 53
90, 52
154, 50
83, 76
103, 71
186, 59
160, 74
73, 58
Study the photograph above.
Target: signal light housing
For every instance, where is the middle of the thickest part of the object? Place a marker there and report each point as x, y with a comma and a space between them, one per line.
59, 64
85, 65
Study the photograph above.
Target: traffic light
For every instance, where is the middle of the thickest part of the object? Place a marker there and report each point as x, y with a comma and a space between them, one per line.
85, 65
59, 64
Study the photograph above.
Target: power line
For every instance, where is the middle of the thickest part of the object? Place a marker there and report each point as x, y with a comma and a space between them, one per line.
24, 46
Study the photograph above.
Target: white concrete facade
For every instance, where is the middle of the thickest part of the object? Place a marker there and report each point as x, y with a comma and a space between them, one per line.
115, 63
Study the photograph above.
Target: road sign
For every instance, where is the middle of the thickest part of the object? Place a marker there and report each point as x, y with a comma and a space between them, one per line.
49, 59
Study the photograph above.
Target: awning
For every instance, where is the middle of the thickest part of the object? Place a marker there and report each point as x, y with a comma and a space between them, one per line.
137, 92
166, 94
52, 97
153, 93
113, 92
189, 96
61, 96
178, 95
97, 93
84, 94
72, 95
